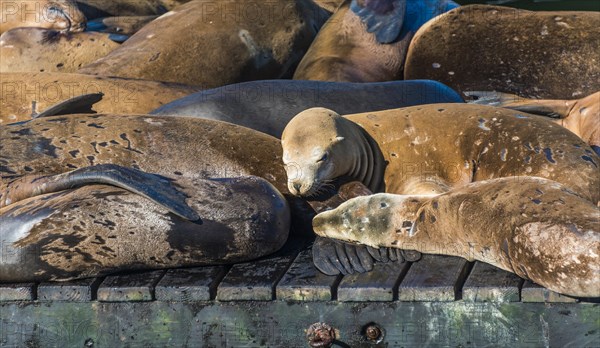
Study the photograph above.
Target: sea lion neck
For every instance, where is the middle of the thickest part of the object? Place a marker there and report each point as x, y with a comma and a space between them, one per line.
368, 164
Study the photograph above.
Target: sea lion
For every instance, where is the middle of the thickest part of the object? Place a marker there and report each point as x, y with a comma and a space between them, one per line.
55, 14
580, 116
212, 44
533, 227
329, 5
534, 54
101, 8
430, 149
40, 50
99, 229
268, 106
366, 41
23, 95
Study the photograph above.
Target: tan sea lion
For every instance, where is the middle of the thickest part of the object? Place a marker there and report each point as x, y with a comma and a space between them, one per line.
46, 50
430, 149
212, 44
580, 116
366, 41
533, 227
55, 14
23, 95
329, 5
99, 229
534, 54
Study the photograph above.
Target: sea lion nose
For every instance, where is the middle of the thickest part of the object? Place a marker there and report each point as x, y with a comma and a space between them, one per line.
297, 187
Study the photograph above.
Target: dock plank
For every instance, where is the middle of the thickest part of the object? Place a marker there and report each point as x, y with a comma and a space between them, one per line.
304, 282
190, 284
132, 287
82, 290
490, 283
256, 280
434, 278
17, 292
380, 284
532, 292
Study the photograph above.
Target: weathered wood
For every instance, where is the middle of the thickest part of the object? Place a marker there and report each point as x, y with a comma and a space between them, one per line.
190, 284
303, 282
380, 284
434, 278
532, 292
256, 280
82, 290
17, 292
132, 287
490, 283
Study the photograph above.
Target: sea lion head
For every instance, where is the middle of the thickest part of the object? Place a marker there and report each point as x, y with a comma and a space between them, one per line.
315, 150
380, 220
64, 15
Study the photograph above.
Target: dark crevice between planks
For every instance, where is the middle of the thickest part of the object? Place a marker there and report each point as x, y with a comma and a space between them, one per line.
462, 278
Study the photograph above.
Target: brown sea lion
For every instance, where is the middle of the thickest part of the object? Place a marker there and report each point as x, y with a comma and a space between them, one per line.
533, 227
580, 116
23, 95
102, 8
534, 54
430, 149
55, 14
366, 41
212, 44
46, 50
329, 5
99, 229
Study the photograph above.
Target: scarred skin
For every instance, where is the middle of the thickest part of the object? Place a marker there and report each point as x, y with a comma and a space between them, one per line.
430, 149
56, 14
533, 227
534, 54
24, 94
580, 116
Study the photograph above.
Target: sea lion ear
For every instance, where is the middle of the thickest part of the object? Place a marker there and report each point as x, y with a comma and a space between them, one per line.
382, 17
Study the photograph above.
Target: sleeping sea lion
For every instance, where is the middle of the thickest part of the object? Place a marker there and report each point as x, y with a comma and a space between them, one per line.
430, 149
268, 106
56, 14
533, 227
580, 116
101, 8
26, 95
48, 50
534, 54
98, 229
211, 44
122, 25
366, 41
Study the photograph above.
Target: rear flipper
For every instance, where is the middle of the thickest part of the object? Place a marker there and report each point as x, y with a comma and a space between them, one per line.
382, 17
154, 187
549, 108
82, 104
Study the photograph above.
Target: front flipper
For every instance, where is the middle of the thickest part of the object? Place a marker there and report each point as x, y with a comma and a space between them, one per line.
382, 17
154, 187
333, 257
81, 104
549, 108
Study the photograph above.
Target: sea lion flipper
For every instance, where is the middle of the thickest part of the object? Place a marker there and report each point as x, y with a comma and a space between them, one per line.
81, 104
549, 108
156, 188
382, 17
322, 250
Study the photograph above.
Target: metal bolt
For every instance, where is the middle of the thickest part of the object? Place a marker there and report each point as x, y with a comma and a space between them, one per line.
320, 335
89, 342
373, 332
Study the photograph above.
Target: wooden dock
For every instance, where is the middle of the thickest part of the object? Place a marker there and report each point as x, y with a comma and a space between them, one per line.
439, 301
